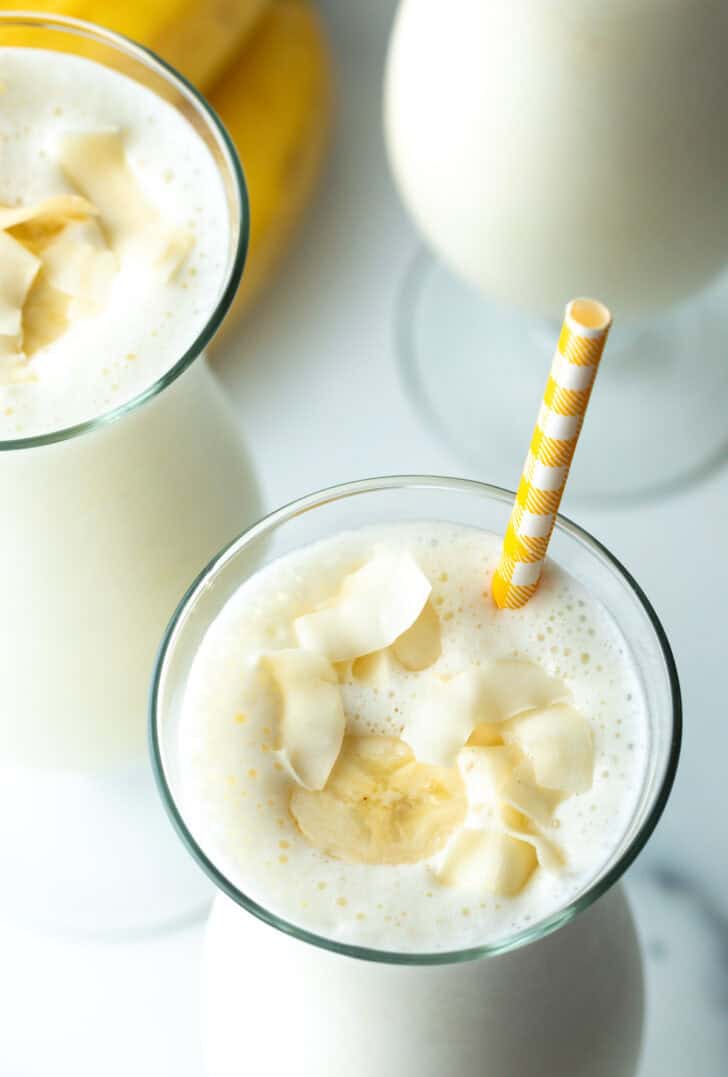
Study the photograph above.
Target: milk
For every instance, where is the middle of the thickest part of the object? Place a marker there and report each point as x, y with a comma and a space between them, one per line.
103, 529
547, 150
234, 790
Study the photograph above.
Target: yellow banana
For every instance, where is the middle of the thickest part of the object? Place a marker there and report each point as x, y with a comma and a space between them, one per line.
198, 37
276, 103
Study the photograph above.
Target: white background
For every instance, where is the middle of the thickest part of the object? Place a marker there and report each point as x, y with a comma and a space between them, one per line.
315, 383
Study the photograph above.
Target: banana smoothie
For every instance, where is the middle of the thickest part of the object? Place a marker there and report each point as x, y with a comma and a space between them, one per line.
370, 750
114, 234
122, 466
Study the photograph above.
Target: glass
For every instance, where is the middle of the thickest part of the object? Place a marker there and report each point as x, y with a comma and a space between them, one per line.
104, 523
233, 933
564, 150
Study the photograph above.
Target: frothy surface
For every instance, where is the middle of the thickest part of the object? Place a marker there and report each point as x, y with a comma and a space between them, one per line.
235, 791
107, 359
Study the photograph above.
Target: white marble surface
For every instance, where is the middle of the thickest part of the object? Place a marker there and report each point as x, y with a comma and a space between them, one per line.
314, 379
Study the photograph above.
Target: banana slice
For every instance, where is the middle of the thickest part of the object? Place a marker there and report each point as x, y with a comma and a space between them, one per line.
557, 741
18, 268
421, 645
96, 163
312, 721
488, 860
374, 607
379, 806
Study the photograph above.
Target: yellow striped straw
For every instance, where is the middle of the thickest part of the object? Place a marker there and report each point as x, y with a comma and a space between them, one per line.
574, 367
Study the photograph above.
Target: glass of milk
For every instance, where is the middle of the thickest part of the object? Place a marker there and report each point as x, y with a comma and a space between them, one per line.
556, 987
552, 150
119, 474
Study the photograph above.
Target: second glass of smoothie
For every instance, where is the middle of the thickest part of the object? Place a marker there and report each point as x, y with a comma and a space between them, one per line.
547, 150
122, 467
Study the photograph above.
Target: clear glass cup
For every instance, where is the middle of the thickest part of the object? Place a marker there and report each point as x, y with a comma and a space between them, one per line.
104, 523
541, 1001
566, 149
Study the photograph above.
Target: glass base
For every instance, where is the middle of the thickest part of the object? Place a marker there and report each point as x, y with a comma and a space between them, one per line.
570, 1004
93, 855
476, 372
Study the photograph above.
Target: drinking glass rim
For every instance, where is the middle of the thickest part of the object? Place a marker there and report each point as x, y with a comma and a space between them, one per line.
82, 28
544, 927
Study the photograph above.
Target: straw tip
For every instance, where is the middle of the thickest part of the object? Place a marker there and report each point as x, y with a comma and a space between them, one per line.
589, 314
499, 591
508, 595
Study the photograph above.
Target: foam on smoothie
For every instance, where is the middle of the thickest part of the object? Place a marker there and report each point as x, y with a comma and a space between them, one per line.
235, 789
147, 322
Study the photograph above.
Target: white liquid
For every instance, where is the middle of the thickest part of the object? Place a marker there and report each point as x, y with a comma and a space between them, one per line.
105, 533
555, 149
235, 794
148, 323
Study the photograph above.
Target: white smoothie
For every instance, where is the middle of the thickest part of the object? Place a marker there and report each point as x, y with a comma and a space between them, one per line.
566, 148
103, 531
237, 779
146, 322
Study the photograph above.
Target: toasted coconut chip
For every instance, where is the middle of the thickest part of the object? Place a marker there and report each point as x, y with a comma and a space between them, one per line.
96, 163
503, 795
57, 210
421, 645
548, 854
488, 860
477, 700
45, 315
312, 721
374, 670
18, 268
439, 728
374, 607
513, 685
557, 741
485, 772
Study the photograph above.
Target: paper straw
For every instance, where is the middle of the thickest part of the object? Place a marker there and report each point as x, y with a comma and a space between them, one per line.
581, 343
